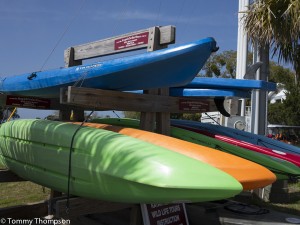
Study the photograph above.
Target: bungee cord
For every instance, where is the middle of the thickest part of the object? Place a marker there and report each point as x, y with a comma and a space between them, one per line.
70, 161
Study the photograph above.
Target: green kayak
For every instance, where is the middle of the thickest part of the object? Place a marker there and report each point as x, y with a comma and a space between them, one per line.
282, 168
108, 166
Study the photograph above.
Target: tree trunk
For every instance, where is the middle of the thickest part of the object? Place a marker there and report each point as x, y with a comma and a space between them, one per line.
297, 64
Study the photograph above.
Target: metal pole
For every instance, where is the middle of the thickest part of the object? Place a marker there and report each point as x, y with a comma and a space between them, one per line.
254, 94
259, 97
242, 47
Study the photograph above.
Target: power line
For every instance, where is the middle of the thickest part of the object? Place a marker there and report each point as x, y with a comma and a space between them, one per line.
180, 13
64, 33
158, 13
122, 14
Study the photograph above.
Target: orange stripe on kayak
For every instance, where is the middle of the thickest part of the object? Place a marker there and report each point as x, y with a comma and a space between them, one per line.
249, 174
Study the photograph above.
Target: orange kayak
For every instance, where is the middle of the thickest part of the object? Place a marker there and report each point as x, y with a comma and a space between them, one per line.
249, 174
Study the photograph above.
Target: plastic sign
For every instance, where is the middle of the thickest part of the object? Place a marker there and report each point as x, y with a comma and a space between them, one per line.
161, 214
28, 102
193, 106
132, 41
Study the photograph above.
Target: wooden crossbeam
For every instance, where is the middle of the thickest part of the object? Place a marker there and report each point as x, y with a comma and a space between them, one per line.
98, 99
146, 38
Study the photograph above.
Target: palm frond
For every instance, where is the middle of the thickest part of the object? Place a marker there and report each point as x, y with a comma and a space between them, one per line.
277, 23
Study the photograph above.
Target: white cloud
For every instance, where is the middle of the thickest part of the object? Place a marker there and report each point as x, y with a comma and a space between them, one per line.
211, 19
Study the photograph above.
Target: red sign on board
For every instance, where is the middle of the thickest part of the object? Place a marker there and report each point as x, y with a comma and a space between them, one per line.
28, 102
161, 214
131, 41
193, 106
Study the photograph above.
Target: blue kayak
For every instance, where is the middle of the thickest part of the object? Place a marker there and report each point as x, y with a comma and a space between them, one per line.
240, 135
190, 92
170, 67
228, 83
212, 93
220, 87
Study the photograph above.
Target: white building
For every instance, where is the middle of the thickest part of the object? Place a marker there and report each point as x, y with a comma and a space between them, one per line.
277, 96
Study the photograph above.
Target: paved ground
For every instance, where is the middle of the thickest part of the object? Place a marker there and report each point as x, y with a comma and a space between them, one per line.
213, 213
209, 213
231, 213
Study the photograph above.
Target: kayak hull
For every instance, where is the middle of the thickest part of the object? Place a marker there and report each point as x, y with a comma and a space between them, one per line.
282, 168
293, 158
106, 165
249, 174
168, 67
242, 135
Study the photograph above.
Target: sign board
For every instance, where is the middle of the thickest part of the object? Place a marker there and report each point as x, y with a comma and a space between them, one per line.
131, 41
28, 102
193, 105
164, 214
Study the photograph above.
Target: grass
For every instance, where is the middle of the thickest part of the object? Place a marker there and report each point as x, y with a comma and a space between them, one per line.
19, 193
291, 206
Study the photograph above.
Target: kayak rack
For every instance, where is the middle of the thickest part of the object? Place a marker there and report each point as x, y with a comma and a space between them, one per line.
153, 38
155, 105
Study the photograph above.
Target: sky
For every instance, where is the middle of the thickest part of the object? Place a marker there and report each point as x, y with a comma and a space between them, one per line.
35, 33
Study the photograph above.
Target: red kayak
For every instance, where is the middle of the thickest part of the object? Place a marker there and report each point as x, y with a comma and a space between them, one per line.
293, 158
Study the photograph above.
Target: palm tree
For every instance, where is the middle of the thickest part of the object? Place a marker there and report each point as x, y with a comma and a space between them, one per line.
276, 24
